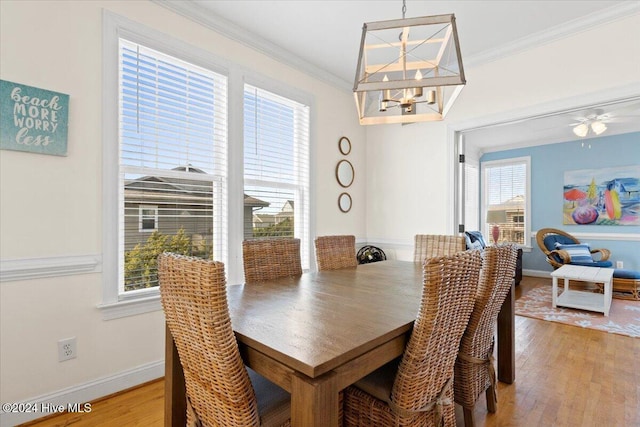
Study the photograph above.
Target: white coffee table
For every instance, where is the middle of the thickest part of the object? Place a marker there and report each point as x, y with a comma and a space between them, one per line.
580, 299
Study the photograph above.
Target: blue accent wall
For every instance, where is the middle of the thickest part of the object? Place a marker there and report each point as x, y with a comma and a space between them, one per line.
548, 164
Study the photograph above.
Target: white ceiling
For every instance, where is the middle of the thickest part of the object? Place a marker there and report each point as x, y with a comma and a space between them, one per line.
619, 116
322, 37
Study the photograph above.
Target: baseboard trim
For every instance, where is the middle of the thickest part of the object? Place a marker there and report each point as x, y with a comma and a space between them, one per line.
87, 392
537, 273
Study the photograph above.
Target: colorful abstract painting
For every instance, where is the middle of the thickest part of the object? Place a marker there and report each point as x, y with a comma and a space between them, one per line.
608, 196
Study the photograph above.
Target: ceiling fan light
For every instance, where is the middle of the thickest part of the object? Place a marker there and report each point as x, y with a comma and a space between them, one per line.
598, 127
581, 130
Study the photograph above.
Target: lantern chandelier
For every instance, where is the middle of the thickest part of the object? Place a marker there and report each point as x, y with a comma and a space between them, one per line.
409, 70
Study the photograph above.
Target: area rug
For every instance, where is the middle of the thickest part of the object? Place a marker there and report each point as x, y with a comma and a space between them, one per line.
624, 315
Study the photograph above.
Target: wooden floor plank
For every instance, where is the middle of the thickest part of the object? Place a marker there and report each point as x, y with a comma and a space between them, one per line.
565, 376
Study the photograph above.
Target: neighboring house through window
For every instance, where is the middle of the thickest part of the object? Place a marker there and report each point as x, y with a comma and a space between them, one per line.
506, 199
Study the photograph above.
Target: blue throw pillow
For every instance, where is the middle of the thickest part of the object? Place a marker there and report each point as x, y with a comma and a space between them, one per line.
474, 240
579, 253
552, 241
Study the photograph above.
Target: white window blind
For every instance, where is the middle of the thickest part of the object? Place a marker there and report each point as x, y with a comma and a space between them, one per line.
276, 168
173, 157
506, 193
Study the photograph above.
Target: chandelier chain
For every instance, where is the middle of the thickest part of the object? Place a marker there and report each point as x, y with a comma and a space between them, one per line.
404, 8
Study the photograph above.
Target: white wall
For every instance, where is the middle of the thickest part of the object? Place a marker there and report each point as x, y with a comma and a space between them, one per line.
409, 168
51, 206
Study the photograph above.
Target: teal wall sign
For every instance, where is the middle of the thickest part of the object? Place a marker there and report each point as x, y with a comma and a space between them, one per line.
33, 119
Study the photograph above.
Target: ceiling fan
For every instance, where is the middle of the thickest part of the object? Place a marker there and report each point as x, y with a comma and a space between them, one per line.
596, 121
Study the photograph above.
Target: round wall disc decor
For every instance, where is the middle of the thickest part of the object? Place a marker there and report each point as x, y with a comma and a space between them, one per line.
344, 202
345, 173
344, 145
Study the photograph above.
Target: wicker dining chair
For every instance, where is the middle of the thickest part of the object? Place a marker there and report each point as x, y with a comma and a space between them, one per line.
221, 391
266, 259
417, 389
335, 252
474, 369
432, 245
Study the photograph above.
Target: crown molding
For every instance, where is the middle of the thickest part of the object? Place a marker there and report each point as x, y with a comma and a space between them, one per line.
202, 16
584, 23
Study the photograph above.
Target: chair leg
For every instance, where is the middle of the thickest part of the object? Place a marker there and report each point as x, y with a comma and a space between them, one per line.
468, 417
492, 404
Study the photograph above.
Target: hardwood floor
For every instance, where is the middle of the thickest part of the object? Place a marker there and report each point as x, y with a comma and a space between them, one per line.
565, 376
139, 406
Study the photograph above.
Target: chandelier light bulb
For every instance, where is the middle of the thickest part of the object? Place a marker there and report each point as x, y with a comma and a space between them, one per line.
417, 92
431, 97
386, 94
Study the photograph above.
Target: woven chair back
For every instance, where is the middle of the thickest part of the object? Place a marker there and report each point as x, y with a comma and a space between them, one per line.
335, 252
496, 278
431, 245
194, 299
267, 259
450, 285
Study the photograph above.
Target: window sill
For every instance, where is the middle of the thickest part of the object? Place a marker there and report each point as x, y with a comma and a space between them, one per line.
130, 307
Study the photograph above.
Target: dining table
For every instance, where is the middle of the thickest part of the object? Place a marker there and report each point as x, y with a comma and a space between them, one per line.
317, 333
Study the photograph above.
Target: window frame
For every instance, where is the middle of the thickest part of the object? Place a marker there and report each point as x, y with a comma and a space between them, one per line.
142, 215
471, 170
484, 165
115, 305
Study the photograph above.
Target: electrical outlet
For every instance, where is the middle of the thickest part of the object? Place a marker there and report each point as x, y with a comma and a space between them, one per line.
67, 349
619, 264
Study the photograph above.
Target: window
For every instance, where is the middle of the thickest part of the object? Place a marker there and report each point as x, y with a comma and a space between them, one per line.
172, 162
506, 200
276, 168
148, 218
168, 165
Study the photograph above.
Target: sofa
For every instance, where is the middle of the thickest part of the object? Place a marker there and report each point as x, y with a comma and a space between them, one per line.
475, 240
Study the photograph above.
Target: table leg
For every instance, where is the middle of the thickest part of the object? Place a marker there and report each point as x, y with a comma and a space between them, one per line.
314, 401
175, 394
554, 292
608, 294
507, 339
